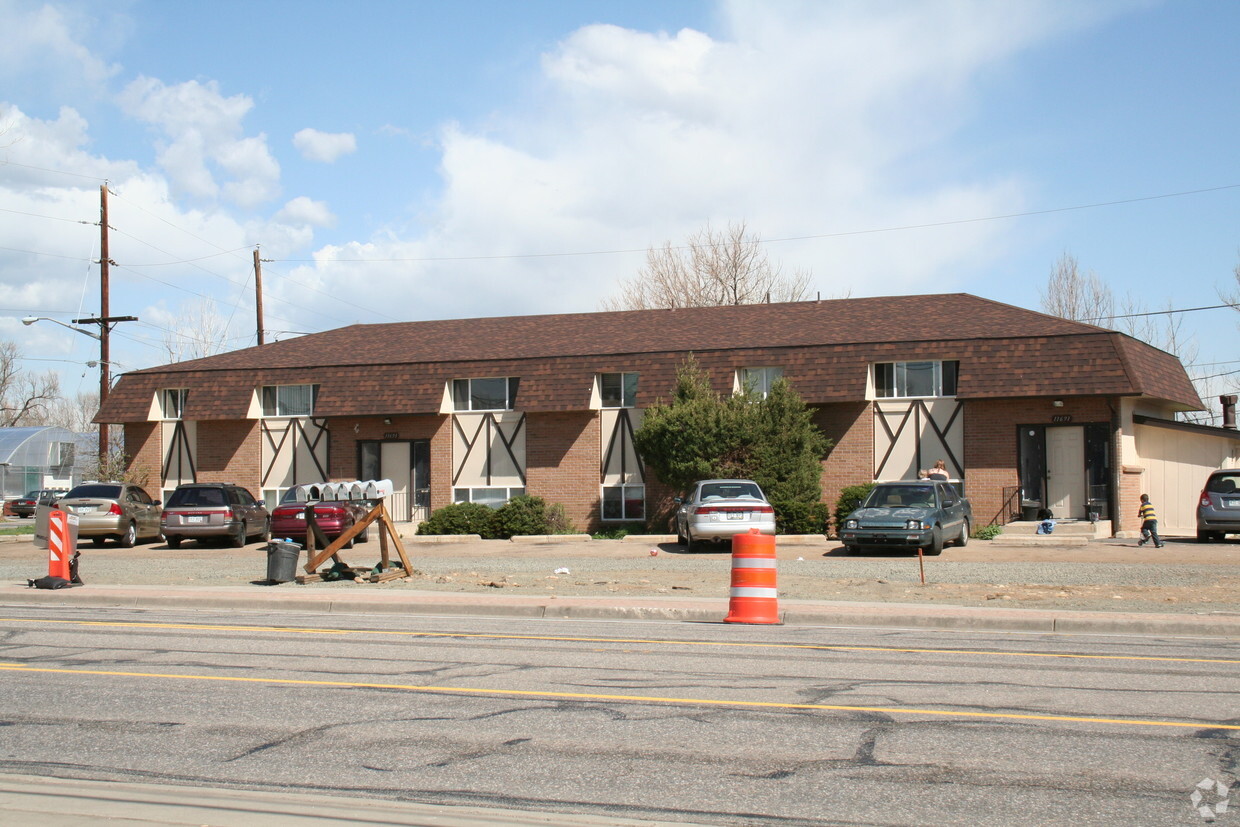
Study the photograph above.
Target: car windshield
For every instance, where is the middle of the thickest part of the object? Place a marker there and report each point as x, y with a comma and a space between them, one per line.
33, 495
728, 490
901, 496
198, 497
98, 490
1224, 483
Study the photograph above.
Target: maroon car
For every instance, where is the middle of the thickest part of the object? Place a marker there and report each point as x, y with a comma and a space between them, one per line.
334, 517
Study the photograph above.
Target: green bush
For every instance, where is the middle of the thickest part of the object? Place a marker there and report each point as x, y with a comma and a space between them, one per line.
461, 518
521, 515
850, 498
987, 532
801, 518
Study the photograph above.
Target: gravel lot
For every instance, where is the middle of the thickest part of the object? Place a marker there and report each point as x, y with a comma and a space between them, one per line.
1108, 575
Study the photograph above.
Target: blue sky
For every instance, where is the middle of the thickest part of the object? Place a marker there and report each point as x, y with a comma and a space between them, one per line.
416, 160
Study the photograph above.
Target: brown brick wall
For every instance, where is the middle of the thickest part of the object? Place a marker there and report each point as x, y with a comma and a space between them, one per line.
850, 426
562, 454
143, 458
230, 451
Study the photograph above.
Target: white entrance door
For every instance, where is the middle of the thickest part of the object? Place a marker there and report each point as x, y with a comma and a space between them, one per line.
394, 465
1065, 472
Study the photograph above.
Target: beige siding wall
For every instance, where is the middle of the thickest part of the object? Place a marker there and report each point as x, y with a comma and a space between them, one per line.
1174, 466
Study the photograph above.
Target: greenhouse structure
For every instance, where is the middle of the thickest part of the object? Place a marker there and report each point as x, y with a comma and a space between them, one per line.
41, 457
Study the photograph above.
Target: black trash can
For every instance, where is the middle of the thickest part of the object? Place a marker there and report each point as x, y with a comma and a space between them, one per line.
282, 560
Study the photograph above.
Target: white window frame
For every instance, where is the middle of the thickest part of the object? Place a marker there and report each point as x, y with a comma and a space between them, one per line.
624, 517
169, 409
276, 394
511, 384
900, 384
758, 380
469, 495
628, 395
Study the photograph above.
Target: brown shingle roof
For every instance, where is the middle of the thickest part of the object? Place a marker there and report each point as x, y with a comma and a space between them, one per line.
825, 348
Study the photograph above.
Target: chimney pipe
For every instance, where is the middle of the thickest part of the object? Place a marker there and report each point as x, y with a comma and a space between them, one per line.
1229, 410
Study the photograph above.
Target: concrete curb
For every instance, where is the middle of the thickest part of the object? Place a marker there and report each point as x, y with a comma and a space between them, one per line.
795, 613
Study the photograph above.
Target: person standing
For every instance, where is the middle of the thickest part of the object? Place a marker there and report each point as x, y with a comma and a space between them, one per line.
1149, 523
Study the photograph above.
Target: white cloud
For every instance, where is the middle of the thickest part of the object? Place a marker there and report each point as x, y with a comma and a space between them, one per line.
47, 41
203, 138
326, 147
302, 210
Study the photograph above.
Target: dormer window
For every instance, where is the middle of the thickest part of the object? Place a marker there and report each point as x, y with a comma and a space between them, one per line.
904, 380
288, 400
757, 380
172, 402
491, 394
618, 390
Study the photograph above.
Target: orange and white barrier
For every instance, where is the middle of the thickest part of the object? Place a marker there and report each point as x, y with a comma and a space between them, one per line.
755, 598
60, 542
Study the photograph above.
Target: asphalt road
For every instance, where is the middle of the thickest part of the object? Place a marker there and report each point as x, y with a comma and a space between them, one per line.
704, 722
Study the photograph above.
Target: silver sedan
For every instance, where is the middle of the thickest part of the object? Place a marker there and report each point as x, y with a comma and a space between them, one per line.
718, 509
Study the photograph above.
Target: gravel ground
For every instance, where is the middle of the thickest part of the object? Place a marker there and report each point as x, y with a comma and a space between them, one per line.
1106, 575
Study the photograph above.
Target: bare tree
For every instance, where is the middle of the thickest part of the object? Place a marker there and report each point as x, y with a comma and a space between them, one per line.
73, 414
714, 267
24, 396
1071, 294
197, 332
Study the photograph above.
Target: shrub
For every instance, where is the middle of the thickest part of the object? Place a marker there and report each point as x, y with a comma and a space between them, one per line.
461, 518
850, 498
987, 532
801, 518
557, 520
521, 515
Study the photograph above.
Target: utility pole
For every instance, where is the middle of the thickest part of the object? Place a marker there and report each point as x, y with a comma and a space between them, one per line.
258, 292
104, 351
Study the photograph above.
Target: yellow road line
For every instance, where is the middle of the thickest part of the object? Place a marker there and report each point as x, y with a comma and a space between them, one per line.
647, 641
586, 696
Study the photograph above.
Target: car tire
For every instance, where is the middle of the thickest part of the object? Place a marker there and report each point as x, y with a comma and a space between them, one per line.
130, 537
936, 542
238, 539
265, 536
173, 541
364, 537
963, 539
689, 544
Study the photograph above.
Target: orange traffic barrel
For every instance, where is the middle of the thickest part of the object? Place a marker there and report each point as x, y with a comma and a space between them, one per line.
754, 596
58, 551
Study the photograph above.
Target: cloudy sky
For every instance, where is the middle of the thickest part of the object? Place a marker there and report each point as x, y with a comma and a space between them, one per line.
421, 160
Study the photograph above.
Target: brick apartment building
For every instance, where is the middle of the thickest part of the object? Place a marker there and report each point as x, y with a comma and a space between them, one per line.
1027, 410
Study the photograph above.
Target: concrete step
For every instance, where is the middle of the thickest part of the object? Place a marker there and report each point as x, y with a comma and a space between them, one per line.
1073, 528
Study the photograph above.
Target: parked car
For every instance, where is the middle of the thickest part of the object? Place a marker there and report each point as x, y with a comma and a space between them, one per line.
27, 505
1218, 508
213, 510
119, 511
334, 517
924, 514
718, 509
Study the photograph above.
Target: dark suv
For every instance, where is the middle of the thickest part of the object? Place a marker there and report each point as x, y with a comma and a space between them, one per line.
1218, 508
203, 510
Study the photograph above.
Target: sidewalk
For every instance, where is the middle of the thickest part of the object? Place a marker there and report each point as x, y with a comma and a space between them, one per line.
659, 608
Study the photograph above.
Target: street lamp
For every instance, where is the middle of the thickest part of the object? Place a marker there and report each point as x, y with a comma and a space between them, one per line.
29, 320
105, 327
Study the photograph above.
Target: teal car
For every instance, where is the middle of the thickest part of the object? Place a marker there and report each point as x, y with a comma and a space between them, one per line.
923, 514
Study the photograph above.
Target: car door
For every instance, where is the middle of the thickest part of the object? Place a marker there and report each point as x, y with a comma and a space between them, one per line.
145, 512
952, 507
682, 513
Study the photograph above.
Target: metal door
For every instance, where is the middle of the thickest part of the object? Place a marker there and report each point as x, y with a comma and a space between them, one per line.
1065, 472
